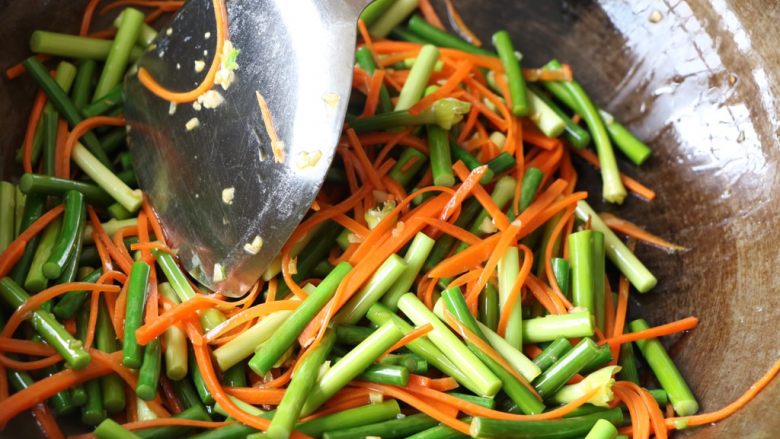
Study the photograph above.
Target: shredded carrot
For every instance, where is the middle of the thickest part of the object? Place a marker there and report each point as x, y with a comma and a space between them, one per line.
429, 13
167, 6
408, 338
514, 294
463, 69
374, 87
279, 381
256, 396
86, 21
220, 16
15, 249
407, 397
460, 26
685, 324
30, 365
185, 310
363, 161
630, 229
478, 410
174, 422
27, 347
46, 422
277, 144
32, 125
634, 186
477, 341
725, 412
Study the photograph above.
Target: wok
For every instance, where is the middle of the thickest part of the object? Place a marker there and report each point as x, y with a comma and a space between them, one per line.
702, 86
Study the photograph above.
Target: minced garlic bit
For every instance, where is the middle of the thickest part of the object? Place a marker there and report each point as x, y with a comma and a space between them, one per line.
219, 273
228, 194
307, 159
254, 247
178, 66
169, 31
398, 229
172, 108
200, 65
192, 124
207, 35
353, 239
488, 226
332, 99
655, 16
211, 99
292, 267
226, 73
197, 106
375, 397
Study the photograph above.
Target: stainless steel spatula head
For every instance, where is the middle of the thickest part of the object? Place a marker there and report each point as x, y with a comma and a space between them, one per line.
230, 187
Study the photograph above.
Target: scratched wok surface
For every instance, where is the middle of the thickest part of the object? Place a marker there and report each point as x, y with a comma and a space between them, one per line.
702, 87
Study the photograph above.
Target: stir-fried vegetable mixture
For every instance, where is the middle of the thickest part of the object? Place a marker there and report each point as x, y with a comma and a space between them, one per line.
450, 280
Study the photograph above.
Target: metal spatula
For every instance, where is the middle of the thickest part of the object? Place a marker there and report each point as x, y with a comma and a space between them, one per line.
227, 198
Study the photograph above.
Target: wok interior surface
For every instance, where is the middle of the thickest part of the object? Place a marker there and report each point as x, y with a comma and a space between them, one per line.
701, 86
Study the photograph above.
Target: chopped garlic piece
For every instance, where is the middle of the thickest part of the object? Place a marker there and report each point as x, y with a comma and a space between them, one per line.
254, 247
197, 106
219, 273
169, 31
655, 16
192, 124
211, 99
307, 159
207, 35
172, 108
228, 194
200, 65
226, 75
332, 99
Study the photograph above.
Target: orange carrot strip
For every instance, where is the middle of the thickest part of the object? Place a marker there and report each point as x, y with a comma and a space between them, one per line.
167, 6
252, 313
220, 16
374, 87
46, 422
478, 410
86, 21
419, 404
363, 160
548, 251
206, 367
463, 261
630, 229
47, 387
463, 69
30, 365
685, 324
514, 294
460, 26
725, 412
501, 220
256, 396
174, 422
429, 13
79, 130
538, 139
18, 70
14, 251
37, 300
148, 332
408, 338
468, 185
27, 347
477, 341
634, 186
32, 125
